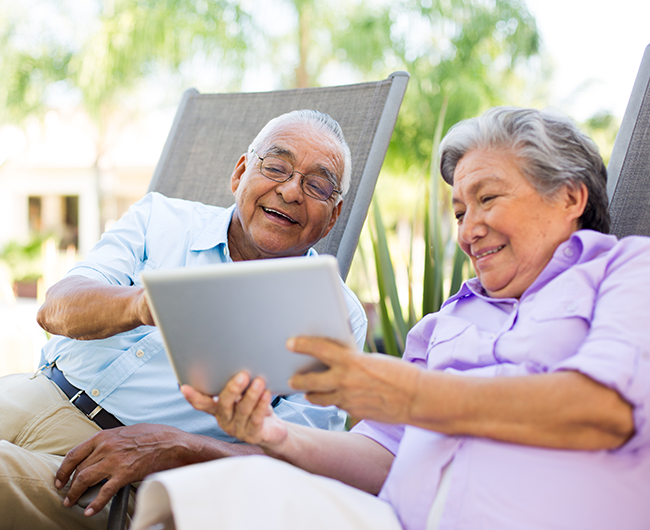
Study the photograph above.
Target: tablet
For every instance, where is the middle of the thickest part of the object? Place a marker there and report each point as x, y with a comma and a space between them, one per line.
219, 319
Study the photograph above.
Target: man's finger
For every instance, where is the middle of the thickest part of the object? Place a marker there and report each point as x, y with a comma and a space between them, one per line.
81, 481
75, 456
106, 493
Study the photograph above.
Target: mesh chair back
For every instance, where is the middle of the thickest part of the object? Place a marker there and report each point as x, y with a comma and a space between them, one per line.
628, 180
211, 131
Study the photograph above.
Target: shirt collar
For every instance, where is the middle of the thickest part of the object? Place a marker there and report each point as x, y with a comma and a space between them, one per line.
215, 233
582, 246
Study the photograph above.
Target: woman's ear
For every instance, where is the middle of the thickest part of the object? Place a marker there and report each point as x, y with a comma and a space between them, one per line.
575, 200
240, 168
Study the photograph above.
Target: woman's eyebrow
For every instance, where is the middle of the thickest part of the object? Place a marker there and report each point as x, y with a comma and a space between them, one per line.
476, 187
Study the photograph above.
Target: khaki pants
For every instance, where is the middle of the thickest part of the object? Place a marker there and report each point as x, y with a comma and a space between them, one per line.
38, 426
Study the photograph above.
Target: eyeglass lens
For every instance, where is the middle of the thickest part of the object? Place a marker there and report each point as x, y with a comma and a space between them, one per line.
317, 187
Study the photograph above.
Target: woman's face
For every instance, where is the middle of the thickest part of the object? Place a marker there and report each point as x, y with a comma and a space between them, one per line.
505, 226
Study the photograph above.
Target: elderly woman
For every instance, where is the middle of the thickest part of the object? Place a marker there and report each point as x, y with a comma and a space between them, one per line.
523, 403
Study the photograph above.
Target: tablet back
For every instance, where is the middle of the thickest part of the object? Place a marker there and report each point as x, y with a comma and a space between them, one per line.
219, 319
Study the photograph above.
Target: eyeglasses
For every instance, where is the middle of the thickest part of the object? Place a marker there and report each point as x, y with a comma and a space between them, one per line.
279, 170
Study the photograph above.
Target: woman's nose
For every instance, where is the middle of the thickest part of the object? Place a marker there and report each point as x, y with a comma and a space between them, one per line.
472, 227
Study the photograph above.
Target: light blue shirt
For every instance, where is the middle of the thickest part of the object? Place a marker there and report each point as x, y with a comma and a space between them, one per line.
128, 374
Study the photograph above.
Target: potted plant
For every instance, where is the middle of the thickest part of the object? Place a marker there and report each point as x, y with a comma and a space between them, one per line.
25, 266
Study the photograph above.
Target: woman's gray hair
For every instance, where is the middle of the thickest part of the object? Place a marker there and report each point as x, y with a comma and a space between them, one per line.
553, 153
321, 122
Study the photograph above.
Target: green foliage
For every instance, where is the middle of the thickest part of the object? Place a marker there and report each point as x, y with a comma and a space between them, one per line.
462, 52
128, 40
24, 260
445, 267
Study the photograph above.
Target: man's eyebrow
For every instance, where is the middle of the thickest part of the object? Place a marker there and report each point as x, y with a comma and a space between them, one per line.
275, 150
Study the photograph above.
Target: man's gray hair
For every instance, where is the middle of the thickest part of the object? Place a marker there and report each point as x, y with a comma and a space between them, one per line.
551, 150
321, 122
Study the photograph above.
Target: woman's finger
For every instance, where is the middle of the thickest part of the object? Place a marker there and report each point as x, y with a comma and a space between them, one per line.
246, 406
326, 350
199, 400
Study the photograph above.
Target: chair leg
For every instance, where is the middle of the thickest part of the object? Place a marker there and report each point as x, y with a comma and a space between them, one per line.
119, 507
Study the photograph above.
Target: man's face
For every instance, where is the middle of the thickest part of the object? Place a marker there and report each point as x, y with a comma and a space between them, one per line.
276, 219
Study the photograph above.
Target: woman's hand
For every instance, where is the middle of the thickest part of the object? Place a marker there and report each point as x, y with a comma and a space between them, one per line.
242, 410
369, 386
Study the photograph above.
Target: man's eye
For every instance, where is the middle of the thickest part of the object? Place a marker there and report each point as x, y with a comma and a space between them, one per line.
459, 216
487, 198
319, 186
275, 169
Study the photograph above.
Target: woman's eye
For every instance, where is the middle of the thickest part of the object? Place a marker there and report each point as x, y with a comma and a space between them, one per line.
487, 198
459, 216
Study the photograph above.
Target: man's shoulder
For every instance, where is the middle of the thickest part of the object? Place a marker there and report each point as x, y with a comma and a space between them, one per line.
158, 200
163, 211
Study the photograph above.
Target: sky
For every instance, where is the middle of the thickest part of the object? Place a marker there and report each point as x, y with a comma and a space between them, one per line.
596, 47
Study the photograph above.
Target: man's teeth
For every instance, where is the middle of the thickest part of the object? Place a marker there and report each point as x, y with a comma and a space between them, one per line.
490, 252
271, 210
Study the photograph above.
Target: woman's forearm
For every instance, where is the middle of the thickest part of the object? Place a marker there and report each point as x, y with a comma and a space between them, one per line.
351, 458
564, 410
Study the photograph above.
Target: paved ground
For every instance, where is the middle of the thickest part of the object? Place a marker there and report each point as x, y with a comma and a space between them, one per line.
21, 339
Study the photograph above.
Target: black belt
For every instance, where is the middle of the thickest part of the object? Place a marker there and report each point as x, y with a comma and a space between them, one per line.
81, 400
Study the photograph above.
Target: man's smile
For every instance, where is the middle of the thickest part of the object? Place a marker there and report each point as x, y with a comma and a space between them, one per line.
277, 213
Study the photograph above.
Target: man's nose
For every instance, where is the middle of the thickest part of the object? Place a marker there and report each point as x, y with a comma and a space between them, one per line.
291, 190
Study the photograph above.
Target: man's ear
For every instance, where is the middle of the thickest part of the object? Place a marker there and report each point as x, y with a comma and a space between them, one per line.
575, 200
335, 215
240, 168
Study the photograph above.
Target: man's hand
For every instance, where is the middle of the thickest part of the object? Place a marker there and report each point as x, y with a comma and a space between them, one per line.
242, 410
127, 454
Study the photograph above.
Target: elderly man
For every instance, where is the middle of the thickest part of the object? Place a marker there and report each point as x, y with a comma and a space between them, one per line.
108, 360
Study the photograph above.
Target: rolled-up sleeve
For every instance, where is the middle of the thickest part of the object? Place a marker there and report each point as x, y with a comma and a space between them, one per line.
616, 351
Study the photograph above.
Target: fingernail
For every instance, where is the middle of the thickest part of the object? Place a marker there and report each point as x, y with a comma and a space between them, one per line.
58, 484
291, 342
89, 512
66, 502
240, 379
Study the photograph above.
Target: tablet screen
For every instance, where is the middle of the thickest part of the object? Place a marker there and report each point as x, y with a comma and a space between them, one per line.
219, 319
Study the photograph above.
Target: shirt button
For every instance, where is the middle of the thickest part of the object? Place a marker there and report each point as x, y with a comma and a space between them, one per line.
139, 353
95, 392
572, 307
568, 252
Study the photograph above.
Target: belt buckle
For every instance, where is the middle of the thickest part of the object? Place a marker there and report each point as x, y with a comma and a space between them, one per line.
75, 397
93, 413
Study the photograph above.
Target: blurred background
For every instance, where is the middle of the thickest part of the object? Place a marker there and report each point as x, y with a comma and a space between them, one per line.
89, 88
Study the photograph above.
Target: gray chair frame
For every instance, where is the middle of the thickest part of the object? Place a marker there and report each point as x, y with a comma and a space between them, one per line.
211, 131
628, 173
